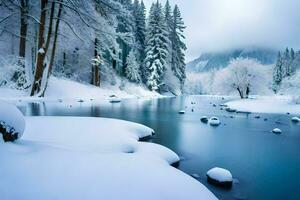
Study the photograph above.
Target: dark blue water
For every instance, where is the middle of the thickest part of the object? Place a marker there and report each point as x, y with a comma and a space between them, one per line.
265, 166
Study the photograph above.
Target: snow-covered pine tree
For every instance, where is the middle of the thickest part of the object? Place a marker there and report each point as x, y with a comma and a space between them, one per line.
125, 30
178, 46
292, 54
296, 62
277, 73
140, 28
132, 71
157, 48
286, 63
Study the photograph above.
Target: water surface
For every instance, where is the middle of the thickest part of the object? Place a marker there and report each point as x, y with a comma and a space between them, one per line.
265, 166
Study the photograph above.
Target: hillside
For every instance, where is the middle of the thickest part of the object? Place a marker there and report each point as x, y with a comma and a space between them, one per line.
209, 61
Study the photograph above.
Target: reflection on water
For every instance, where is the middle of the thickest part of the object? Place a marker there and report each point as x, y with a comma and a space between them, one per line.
265, 165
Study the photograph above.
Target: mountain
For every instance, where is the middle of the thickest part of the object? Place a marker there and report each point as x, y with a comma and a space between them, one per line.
209, 61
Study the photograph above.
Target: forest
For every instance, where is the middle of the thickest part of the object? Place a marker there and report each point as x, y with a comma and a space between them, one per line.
93, 42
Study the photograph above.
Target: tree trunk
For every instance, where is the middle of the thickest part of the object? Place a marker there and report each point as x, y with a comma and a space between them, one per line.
39, 69
240, 93
23, 36
95, 69
53, 47
247, 91
23, 28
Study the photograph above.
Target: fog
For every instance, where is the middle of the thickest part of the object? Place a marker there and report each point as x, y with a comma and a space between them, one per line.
215, 25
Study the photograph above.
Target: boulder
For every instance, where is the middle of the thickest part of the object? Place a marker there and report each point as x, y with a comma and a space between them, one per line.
204, 119
276, 131
219, 177
230, 109
181, 112
12, 122
296, 119
214, 121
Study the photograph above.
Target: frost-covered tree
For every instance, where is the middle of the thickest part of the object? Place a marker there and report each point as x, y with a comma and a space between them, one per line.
291, 86
139, 13
178, 46
132, 71
287, 63
277, 73
157, 47
243, 75
125, 30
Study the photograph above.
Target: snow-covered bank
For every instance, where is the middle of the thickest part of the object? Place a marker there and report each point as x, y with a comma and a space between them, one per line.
266, 104
91, 158
68, 89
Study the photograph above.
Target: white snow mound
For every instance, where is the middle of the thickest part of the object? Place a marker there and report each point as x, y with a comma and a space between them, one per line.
12, 117
296, 119
91, 158
220, 174
214, 121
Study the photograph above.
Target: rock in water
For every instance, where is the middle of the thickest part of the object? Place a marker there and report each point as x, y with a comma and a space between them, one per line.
277, 131
219, 177
115, 100
296, 119
214, 121
230, 110
12, 122
204, 119
181, 112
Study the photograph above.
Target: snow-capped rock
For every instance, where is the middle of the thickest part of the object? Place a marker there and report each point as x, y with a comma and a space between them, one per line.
181, 112
220, 177
296, 119
230, 109
204, 119
214, 121
114, 99
277, 131
12, 122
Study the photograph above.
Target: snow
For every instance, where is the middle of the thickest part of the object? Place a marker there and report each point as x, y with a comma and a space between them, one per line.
266, 104
277, 130
214, 121
68, 89
296, 119
91, 158
220, 174
41, 51
12, 117
181, 112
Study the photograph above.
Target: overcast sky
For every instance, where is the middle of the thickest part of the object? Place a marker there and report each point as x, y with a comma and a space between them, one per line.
214, 25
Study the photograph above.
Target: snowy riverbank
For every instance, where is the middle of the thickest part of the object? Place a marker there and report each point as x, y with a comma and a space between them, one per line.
68, 89
91, 158
266, 104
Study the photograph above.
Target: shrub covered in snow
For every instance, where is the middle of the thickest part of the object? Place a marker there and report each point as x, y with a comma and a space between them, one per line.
14, 73
12, 122
291, 86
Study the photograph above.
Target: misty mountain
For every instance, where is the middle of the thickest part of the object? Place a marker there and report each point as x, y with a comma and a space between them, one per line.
217, 60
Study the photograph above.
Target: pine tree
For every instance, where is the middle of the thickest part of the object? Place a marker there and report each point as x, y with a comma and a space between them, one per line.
178, 46
168, 16
125, 30
278, 73
292, 54
157, 48
287, 63
132, 71
140, 28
